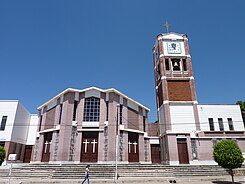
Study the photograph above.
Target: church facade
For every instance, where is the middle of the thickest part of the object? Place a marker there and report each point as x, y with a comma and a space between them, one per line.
188, 130
82, 126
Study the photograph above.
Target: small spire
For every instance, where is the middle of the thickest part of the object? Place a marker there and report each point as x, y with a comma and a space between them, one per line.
167, 26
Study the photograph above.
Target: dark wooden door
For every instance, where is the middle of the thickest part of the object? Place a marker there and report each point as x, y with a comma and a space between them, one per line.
133, 147
182, 151
46, 147
27, 157
155, 153
89, 151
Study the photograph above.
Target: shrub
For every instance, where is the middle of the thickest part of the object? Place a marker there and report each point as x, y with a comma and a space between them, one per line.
228, 155
2, 154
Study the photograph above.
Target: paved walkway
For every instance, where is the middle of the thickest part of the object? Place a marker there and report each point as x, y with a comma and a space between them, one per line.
181, 180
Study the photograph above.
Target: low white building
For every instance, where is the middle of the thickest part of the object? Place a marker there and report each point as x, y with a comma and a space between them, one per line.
217, 122
18, 129
191, 138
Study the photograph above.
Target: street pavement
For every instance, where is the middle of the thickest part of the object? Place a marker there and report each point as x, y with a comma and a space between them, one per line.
180, 180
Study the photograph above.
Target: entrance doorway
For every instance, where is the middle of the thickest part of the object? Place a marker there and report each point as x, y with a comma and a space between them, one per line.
155, 153
27, 157
182, 151
89, 151
46, 147
133, 147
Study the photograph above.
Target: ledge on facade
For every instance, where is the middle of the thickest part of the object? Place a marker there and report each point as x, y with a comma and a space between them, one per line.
234, 132
183, 102
179, 78
132, 130
49, 130
90, 130
213, 132
223, 132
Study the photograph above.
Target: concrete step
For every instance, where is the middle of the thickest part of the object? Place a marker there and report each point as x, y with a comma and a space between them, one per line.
76, 171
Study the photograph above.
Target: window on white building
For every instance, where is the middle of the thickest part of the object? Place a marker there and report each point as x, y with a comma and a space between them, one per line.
91, 109
3, 123
211, 124
230, 123
221, 124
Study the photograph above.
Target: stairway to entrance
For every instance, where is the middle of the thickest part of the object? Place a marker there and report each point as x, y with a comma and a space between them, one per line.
107, 171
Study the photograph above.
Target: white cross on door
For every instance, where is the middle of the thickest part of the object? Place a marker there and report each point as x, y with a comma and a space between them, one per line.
94, 143
135, 146
86, 145
46, 146
129, 146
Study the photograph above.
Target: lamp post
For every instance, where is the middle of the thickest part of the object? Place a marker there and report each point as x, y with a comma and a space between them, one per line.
118, 105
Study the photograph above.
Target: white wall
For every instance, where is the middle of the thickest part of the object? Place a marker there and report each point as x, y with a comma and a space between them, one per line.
7, 108
182, 118
220, 111
21, 125
32, 132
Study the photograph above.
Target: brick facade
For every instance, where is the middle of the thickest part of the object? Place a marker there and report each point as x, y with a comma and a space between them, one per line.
68, 138
179, 90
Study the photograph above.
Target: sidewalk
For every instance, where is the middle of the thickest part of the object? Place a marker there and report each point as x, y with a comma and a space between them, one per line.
181, 180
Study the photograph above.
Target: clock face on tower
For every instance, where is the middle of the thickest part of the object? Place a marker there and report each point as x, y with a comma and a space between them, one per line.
173, 47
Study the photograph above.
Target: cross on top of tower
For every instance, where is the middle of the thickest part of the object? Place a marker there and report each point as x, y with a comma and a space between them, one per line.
167, 26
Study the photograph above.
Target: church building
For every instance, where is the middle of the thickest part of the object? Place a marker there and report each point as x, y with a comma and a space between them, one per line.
82, 126
188, 130
95, 125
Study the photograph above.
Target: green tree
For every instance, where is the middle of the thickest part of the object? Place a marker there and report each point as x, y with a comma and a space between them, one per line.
228, 155
2, 154
242, 105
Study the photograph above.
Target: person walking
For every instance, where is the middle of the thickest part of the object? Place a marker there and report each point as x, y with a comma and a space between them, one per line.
86, 174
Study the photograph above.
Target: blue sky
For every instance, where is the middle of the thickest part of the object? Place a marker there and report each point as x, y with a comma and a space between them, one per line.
47, 46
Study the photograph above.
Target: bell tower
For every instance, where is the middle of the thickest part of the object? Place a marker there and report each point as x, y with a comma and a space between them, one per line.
173, 71
174, 82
